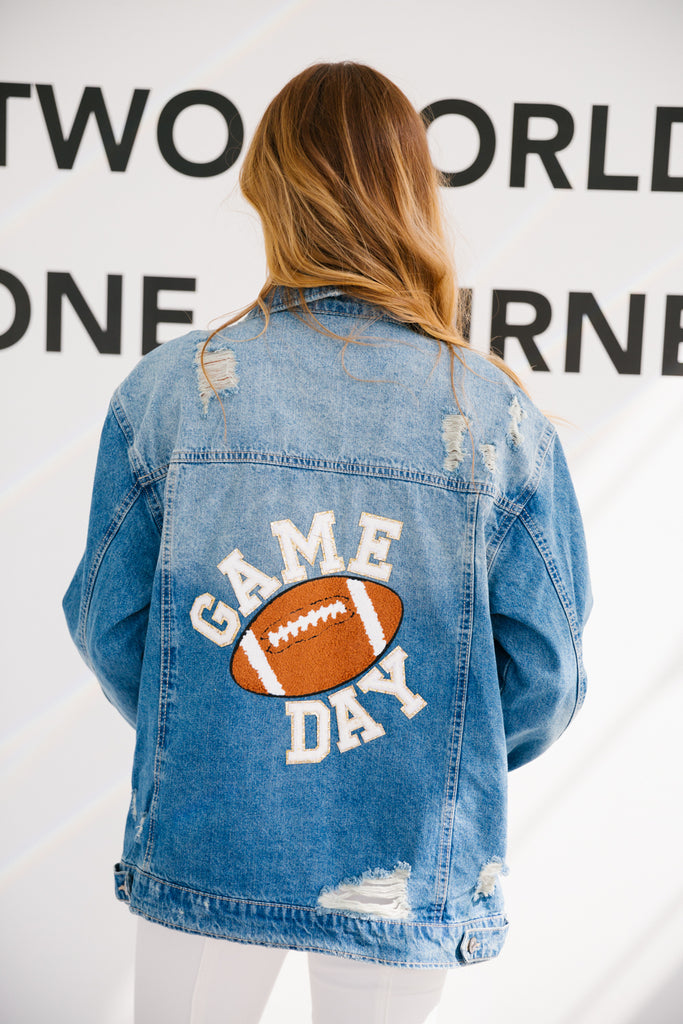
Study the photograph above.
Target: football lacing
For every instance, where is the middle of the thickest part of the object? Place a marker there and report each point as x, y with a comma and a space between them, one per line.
304, 622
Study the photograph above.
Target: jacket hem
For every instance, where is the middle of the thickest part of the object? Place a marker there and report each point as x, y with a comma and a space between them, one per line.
372, 939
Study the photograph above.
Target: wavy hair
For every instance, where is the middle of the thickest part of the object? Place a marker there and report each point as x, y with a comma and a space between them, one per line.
340, 174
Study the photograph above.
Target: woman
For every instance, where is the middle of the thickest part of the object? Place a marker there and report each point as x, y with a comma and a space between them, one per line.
335, 577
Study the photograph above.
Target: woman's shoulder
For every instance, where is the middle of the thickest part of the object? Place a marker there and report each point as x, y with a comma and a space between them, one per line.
165, 370
508, 434
491, 395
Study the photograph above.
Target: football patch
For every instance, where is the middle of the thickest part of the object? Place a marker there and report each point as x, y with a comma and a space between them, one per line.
315, 636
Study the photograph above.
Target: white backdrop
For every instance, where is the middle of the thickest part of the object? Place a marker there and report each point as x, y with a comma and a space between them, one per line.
594, 894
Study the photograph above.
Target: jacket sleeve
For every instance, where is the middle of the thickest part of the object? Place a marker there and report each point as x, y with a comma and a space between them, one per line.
540, 599
107, 603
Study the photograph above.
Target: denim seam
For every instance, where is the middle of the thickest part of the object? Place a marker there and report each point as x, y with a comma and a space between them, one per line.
140, 472
453, 772
343, 468
165, 668
155, 508
544, 551
292, 944
340, 314
503, 529
122, 510
122, 419
512, 512
470, 922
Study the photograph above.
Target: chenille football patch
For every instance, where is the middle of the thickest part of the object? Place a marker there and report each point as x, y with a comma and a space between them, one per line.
316, 636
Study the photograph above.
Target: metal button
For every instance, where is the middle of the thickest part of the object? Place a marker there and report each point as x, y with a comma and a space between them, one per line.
473, 945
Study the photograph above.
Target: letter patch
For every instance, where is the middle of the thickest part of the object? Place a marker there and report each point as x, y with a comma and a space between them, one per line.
317, 634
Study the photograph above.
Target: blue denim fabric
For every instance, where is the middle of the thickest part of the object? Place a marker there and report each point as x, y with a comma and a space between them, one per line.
365, 818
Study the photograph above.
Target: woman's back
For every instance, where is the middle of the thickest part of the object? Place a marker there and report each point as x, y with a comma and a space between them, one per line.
367, 581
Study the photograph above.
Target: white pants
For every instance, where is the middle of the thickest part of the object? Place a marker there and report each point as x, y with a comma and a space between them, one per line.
182, 978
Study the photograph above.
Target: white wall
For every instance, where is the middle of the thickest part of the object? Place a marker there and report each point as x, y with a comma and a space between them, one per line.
594, 894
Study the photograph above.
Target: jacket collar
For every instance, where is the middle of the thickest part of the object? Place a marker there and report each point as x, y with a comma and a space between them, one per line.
285, 298
289, 298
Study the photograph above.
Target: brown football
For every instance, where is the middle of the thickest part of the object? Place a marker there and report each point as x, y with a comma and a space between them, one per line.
315, 636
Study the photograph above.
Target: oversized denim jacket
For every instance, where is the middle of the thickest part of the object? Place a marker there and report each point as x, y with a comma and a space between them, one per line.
338, 604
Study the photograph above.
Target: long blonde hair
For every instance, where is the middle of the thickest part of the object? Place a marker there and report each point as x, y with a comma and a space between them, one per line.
340, 173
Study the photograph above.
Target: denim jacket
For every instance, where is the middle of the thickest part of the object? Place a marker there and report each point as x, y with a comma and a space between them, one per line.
338, 587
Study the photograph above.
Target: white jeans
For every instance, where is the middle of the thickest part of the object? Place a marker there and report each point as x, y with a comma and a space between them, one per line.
182, 978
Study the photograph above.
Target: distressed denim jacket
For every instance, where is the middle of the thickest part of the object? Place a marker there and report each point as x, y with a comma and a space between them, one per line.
337, 603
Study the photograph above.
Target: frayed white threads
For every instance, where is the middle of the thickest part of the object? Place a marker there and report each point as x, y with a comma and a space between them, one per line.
488, 877
517, 414
454, 427
489, 456
379, 893
217, 374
